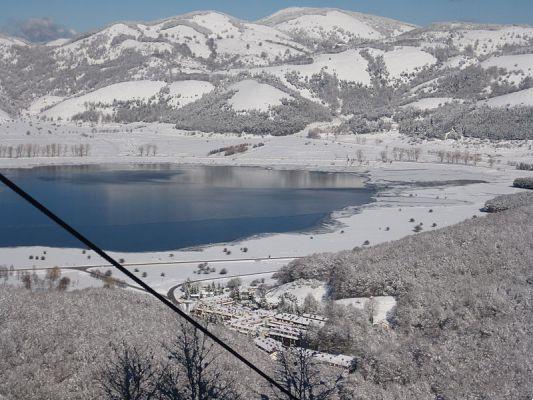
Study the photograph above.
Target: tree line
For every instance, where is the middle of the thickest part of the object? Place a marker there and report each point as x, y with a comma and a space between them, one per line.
29, 150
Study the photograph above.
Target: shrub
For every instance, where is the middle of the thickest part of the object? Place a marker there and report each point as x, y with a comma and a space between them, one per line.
508, 201
523, 183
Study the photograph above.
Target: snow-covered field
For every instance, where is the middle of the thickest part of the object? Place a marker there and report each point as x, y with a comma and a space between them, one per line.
403, 194
520, 98
179, 94
4, 116
252, 95
123, 91
430, 103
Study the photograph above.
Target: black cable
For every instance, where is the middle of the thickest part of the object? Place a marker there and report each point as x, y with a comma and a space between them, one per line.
146, 287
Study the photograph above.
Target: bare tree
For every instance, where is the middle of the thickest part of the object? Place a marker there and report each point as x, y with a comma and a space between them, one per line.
63, 283
52, 275
130, 375
299, 374
204, 378
169, 387
360, 156
417, 152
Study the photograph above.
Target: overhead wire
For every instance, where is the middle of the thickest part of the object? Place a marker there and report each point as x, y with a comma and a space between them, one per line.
43, 209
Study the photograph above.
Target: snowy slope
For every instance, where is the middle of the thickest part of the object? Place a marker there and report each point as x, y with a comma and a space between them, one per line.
339, 24
476, 39
517, 67
6, 46
202, 51
185, 92
402, 63
4, 116
252, 95
8, 41
405, 60
348, 65
520, 98
123, 91
430, 103
177, 93
460, 62
194, 39
38, 105
57, 42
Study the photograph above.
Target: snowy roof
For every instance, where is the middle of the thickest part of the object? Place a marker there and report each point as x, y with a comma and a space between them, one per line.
268, 344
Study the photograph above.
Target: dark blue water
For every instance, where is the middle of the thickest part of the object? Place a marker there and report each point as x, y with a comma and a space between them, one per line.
164, 207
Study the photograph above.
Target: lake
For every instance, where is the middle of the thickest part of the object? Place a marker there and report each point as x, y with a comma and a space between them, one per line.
165, 207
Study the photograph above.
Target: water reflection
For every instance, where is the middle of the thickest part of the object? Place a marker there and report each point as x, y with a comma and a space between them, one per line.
162, 207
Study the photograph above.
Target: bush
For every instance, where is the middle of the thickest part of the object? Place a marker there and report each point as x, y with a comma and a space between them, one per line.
507, 202
523, 183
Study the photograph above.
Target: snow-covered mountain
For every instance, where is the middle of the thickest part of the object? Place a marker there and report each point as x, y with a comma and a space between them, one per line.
339, 26
299, 65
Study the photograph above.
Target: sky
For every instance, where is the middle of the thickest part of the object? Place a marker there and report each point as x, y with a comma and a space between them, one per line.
83, 15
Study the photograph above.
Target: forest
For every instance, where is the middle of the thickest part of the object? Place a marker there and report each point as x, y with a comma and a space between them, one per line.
463, 324
467, 121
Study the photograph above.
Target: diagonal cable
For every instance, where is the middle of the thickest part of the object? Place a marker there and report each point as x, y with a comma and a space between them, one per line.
35, 203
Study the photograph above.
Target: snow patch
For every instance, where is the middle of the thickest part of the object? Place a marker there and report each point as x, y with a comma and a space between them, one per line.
317, 26
406, 60
298, 289
382, 306
124, 91
430, 103
58, 42
519, 62
4, 116
252, 95
38, 105
520, 98
185, 92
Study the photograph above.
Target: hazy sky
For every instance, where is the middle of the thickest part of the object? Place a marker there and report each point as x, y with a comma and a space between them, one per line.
83, 15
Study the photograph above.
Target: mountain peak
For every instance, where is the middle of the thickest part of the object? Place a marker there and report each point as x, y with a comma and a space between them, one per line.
343, 24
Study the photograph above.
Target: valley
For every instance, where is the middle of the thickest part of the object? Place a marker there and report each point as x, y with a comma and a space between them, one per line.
343, 198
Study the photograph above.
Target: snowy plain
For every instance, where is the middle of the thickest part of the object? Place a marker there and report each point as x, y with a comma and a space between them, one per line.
426, 191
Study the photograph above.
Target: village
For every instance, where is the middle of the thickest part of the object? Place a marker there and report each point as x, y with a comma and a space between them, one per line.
250, 310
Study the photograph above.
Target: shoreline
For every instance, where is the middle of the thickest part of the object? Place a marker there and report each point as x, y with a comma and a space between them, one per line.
454, 204
396, 182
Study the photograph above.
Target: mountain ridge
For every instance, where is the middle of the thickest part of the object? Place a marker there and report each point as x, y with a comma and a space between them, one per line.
339, 63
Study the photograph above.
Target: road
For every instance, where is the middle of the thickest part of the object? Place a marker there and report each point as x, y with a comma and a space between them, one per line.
146, 264
171, 291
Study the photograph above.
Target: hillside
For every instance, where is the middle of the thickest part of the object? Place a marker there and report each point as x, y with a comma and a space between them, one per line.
322, 25
55, 345
359, 67
463, 322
